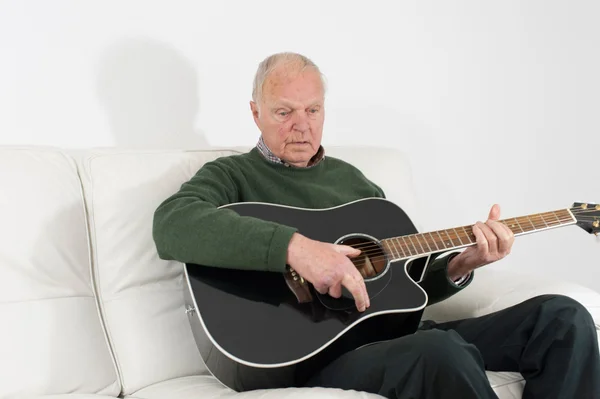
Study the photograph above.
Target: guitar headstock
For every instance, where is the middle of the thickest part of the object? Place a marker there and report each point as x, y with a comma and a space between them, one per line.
587, 216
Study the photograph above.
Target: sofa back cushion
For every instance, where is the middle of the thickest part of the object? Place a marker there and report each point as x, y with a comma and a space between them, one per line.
51, 335
141, 295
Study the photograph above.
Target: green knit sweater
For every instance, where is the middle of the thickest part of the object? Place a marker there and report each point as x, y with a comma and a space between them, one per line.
189, 227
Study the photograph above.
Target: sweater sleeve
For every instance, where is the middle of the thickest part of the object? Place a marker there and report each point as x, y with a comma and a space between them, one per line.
190, 226
437, 284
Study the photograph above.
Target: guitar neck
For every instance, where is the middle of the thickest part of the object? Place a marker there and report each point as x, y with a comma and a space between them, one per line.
408, 246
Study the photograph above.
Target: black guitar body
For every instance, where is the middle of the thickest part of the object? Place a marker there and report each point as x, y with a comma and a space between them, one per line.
252, 331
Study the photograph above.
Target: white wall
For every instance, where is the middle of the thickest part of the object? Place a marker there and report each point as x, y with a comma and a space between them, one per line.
493, 101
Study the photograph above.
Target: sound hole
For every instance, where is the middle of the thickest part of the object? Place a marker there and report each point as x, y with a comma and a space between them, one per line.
372, 261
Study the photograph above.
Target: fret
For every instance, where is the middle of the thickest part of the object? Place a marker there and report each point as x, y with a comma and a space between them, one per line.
434, 242
519, 224
511, 225
441, 239
557, 218
542, 219
413, 244
401, 249
424, 238
407, 246
401, 245
468, 235
560, 219
393, 248
449, 238
419, 241
532, 225
430, 242
551, 222
458, 235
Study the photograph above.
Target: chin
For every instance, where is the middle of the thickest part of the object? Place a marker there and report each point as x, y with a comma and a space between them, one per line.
299, 157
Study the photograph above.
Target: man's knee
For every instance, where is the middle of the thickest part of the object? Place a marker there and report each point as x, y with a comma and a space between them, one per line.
443, 349
567, 309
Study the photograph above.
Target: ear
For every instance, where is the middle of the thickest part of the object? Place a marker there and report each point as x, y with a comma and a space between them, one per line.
255, 113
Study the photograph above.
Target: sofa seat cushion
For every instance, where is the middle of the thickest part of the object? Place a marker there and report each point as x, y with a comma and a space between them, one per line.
208, 387
506, 386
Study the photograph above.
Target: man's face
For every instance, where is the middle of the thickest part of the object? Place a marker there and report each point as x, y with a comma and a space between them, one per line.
291, 114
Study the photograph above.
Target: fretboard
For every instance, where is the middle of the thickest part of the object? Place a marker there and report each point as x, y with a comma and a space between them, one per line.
444, 240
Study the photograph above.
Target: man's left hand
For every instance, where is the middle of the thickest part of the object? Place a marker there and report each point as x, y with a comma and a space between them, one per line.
494, 242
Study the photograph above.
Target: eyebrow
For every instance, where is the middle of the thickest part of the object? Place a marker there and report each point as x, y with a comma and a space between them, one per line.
285, 103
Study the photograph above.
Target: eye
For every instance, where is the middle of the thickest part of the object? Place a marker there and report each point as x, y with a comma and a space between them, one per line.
282, 113
314, 110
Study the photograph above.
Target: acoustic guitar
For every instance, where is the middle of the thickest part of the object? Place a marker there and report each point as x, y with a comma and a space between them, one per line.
257, 329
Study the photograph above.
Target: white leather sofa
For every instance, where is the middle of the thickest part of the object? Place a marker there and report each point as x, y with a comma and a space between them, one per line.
89, 311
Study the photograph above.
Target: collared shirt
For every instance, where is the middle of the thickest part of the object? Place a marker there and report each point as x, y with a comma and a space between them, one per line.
267, 153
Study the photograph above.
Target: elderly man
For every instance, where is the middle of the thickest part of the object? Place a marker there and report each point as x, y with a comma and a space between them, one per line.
550, 340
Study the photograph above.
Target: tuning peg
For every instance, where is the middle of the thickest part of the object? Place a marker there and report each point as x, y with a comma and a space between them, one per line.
584, 206
598, 207
596, 223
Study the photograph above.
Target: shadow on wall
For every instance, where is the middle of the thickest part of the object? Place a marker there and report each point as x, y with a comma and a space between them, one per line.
149, 91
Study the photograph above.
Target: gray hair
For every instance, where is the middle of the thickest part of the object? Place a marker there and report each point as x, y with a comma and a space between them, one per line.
271, 62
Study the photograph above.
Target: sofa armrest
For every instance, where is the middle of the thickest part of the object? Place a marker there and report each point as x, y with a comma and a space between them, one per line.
494, 288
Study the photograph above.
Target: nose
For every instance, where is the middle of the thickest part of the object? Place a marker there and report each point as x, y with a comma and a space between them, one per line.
301, 121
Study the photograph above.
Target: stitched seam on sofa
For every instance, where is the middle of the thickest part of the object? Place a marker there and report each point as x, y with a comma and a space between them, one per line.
74, 164
93, 255
95, 277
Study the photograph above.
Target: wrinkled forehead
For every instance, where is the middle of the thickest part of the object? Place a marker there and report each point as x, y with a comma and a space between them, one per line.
293, 86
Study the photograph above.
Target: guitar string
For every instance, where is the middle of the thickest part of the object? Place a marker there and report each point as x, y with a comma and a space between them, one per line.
405, 247
533, 219
408, 247
373, 248
453, 235
586, 211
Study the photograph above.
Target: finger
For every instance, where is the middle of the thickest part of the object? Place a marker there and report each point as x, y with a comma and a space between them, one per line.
491, 239
502, 237
335, 290
361, 282
510, 232
321, 289
347, 250
494, 212
504, 234
481, 240
357, 290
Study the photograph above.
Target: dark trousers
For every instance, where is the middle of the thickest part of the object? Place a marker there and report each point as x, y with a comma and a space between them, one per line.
550, 339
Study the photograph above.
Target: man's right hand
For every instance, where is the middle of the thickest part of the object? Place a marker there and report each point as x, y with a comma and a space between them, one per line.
328, 267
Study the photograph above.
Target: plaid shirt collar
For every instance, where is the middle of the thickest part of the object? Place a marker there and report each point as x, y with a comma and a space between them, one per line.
266, 152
